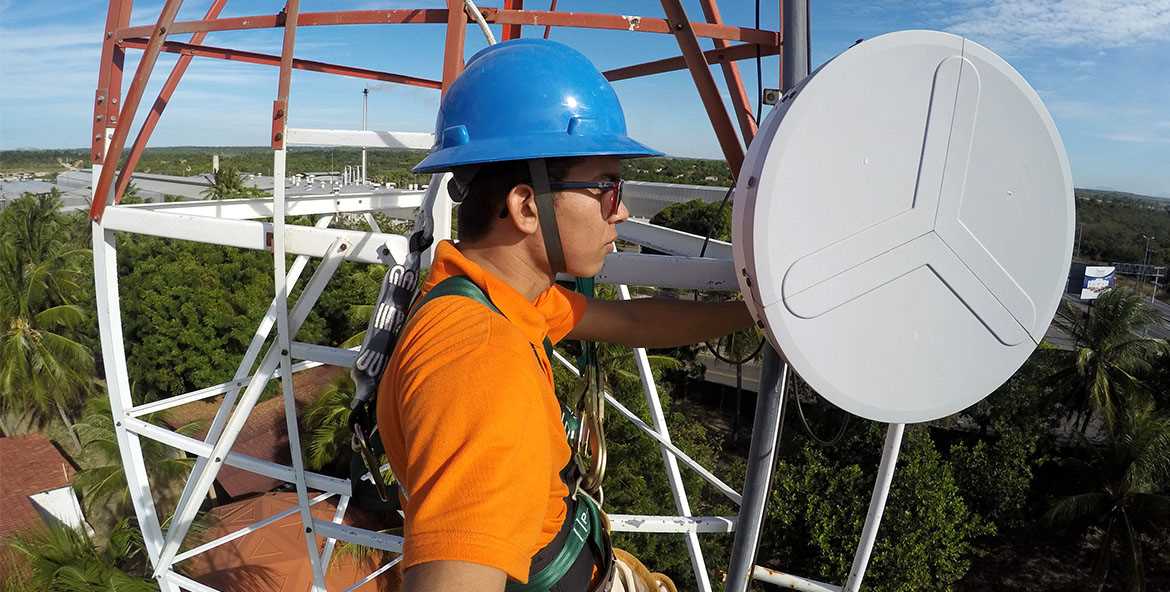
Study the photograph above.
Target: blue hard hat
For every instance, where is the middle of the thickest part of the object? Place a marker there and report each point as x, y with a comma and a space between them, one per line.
524, 99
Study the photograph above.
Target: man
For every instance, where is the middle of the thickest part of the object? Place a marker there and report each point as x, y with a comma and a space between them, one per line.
534, 135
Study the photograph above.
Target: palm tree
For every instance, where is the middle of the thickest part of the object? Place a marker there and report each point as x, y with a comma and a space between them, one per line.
227, 183
61, 559
1125, 500
1110, 355
103, 483
326, 421
42, 366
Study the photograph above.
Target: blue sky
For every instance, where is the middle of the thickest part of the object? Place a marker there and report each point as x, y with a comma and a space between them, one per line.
1100, 66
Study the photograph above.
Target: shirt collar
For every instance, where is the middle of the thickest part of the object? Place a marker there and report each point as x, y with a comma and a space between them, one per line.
449, 261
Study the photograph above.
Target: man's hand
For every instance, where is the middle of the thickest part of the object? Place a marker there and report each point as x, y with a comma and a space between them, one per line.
657, 323
441, 576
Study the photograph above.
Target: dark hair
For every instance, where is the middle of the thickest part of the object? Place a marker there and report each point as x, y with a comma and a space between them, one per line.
485, 191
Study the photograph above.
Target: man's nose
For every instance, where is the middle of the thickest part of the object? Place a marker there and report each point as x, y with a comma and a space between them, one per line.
621, 214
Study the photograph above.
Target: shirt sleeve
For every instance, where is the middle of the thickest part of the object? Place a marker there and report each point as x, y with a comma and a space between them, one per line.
473, 492
563, 309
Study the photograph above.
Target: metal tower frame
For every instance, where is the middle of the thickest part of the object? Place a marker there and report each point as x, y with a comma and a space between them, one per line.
240, 223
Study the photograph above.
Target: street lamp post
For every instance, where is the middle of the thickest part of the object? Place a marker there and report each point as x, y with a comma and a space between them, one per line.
1146, 265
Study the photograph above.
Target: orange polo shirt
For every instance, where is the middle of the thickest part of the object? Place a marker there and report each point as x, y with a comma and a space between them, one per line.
471, 423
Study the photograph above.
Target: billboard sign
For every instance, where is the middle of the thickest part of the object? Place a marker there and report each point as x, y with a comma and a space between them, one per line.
1098, 280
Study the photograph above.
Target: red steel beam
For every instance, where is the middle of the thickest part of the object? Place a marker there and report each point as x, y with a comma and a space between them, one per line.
491, 15
160, 103
292, 11
251, 57
742, 51
109, 87
453, 47
552, 7
684, 33
134, 96
512, 31
739, 98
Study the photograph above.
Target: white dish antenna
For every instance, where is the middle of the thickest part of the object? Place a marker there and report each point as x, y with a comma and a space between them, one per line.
903, 226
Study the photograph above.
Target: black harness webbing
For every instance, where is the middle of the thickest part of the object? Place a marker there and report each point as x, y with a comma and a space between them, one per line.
566, 563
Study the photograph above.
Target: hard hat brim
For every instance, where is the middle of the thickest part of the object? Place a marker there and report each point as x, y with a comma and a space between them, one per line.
527, 148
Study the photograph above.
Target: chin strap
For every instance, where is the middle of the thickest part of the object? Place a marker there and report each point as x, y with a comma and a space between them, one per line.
547, 215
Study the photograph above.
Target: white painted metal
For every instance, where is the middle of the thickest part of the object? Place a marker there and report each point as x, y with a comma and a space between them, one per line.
109, 313
240, 461
687, 273
245, 366
688, 525
366, 247
936, 214
331, 543
646, 198
374, 574
877, 506
790, 581
361, 536
185, 512
284, 342
358, 138
402, 203
185, 582
203, 393
717, 483
673, 476
249, 529
333, 356
669, 240
438, 199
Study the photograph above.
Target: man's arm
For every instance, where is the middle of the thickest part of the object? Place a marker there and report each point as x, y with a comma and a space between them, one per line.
655, 322
440, 576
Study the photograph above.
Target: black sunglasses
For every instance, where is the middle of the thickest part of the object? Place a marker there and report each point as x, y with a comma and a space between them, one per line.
611, 194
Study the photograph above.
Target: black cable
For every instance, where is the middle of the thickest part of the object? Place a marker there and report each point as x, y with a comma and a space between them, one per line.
808, 428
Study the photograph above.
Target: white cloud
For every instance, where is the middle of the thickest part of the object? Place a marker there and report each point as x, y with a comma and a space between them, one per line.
1137, 138
1019, 24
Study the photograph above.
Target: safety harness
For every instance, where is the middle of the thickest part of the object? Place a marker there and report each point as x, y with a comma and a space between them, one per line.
581, 543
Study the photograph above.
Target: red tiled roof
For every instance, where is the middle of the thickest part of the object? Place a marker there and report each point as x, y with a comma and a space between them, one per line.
274, 558
28, 464
265, 435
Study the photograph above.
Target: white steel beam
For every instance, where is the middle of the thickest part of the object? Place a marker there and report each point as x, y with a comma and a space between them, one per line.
790, 581
677, 488
361, 536
245, 367
284, 339
689, 525
669, 240
877, 505
186, 510
333, 356
637, 421
204, 393
245, 531
109, 313
688, 273
186, 583
366, 247
240, 461
646, 198
330, 543
374, 574
359, 138
303, 205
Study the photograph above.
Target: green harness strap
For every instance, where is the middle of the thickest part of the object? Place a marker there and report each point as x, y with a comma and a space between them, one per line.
586, 517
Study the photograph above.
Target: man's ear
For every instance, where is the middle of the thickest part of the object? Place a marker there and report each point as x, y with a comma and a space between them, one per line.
521, 207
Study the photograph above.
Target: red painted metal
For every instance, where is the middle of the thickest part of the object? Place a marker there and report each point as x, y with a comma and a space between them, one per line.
739, 98
250, 57
742, 51
109, 87
160, 103
684, 33
130, 105
512, 31
491, 15
552, 7
453, 47
292, 11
